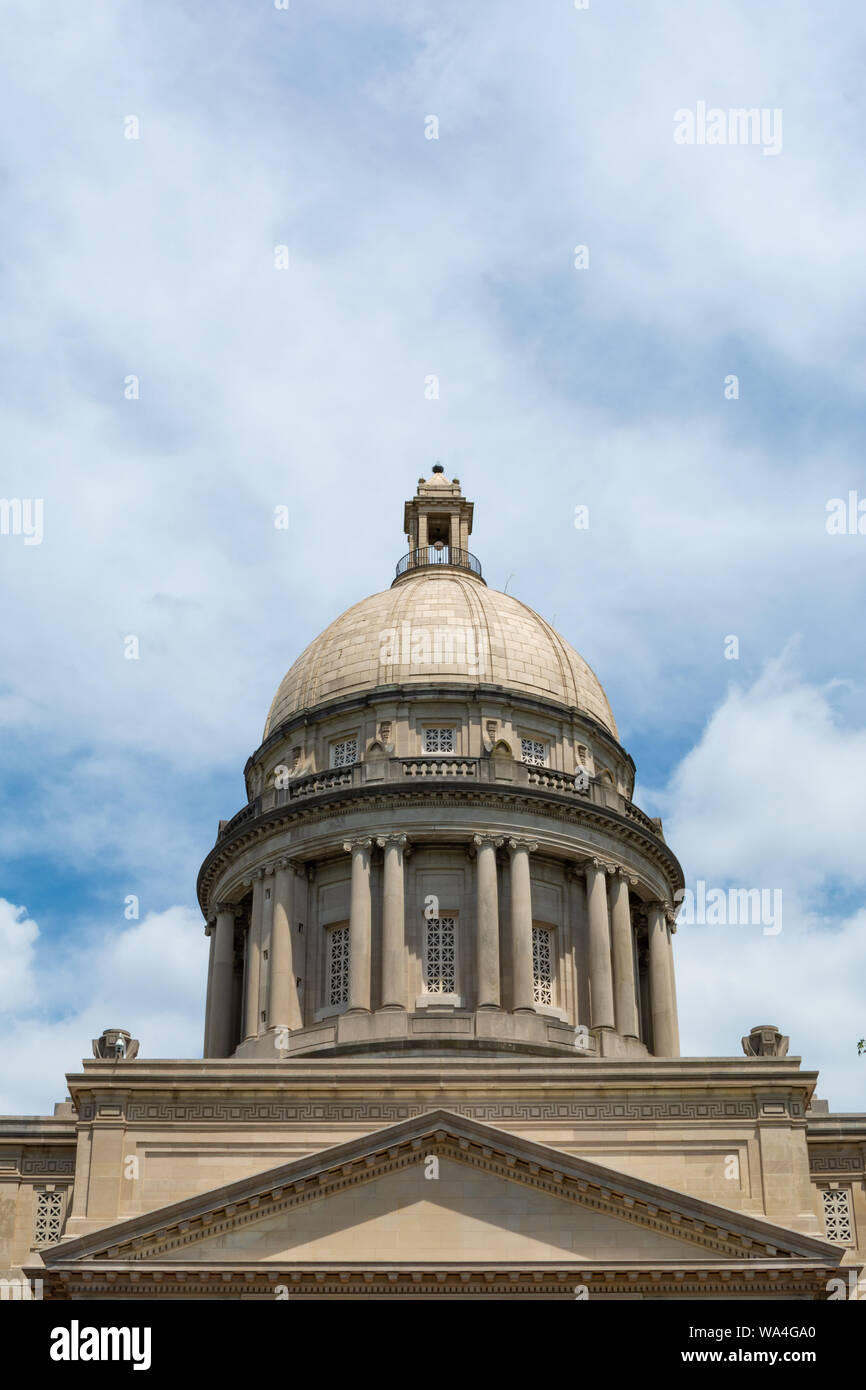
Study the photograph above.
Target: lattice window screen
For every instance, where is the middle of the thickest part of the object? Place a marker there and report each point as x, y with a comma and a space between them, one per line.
531, 751
49, 1217
542, 965
440, 955
338, 965
838, 1216
438, 740
345, 753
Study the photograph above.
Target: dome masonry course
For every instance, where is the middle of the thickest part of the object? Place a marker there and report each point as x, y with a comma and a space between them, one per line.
440, 624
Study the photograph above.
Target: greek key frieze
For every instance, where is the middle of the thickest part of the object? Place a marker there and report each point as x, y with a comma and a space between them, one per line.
834, 1161
390, 1112
50, 1165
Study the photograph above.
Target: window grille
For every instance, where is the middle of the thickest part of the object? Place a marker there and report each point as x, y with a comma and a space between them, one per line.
438, 740
440, 955
542, 966
345, 753
531, 751
338, 965
838, 1219
49, 1217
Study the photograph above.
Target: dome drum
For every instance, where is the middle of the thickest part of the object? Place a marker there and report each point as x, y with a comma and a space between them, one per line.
426, 979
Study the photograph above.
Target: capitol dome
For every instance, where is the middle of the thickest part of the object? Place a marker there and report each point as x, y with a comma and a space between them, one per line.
439, 848
438, 623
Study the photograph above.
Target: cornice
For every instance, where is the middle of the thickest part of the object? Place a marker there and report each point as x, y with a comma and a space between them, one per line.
173, 1281
608, 1089
336, 802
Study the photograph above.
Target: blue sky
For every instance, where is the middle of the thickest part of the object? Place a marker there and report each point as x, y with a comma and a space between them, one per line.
305, 387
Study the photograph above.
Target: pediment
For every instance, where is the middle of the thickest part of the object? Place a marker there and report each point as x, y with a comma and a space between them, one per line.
442, 1191
437, 1206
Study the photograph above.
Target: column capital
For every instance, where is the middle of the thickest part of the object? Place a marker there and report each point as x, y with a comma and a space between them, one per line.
668, 913
592, 861
618, 871
350, 846
295, 866
402, 841
497, 841
234, 909
529, 845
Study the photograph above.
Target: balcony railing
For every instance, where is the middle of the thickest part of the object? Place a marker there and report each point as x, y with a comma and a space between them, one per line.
439, 554
439, 769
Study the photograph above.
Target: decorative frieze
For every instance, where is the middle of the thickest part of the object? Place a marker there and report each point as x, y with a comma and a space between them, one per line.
836, 1161
649, 1111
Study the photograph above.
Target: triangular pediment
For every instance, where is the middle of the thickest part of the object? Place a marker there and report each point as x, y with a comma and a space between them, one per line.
441, 1190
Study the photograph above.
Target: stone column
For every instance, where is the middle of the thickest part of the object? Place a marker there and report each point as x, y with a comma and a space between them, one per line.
393, 923
662, 1003
600, 974
672, 926
265, 945
624, 985
283, 1005
523, 979
487, 922
254, 959
210, 933
220, 1022
360, 912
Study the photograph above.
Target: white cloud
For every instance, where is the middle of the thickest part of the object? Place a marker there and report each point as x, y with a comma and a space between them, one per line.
149, 978
18, 935
774, 796
410, 256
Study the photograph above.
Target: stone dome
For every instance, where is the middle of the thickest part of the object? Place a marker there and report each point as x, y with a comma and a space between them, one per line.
440, 625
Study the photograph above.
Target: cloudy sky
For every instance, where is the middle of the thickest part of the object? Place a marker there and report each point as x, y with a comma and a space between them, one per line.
602, 386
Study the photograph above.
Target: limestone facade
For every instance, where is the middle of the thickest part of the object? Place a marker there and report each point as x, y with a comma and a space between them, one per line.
439, 929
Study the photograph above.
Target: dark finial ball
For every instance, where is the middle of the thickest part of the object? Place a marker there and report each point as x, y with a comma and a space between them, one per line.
437, 468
